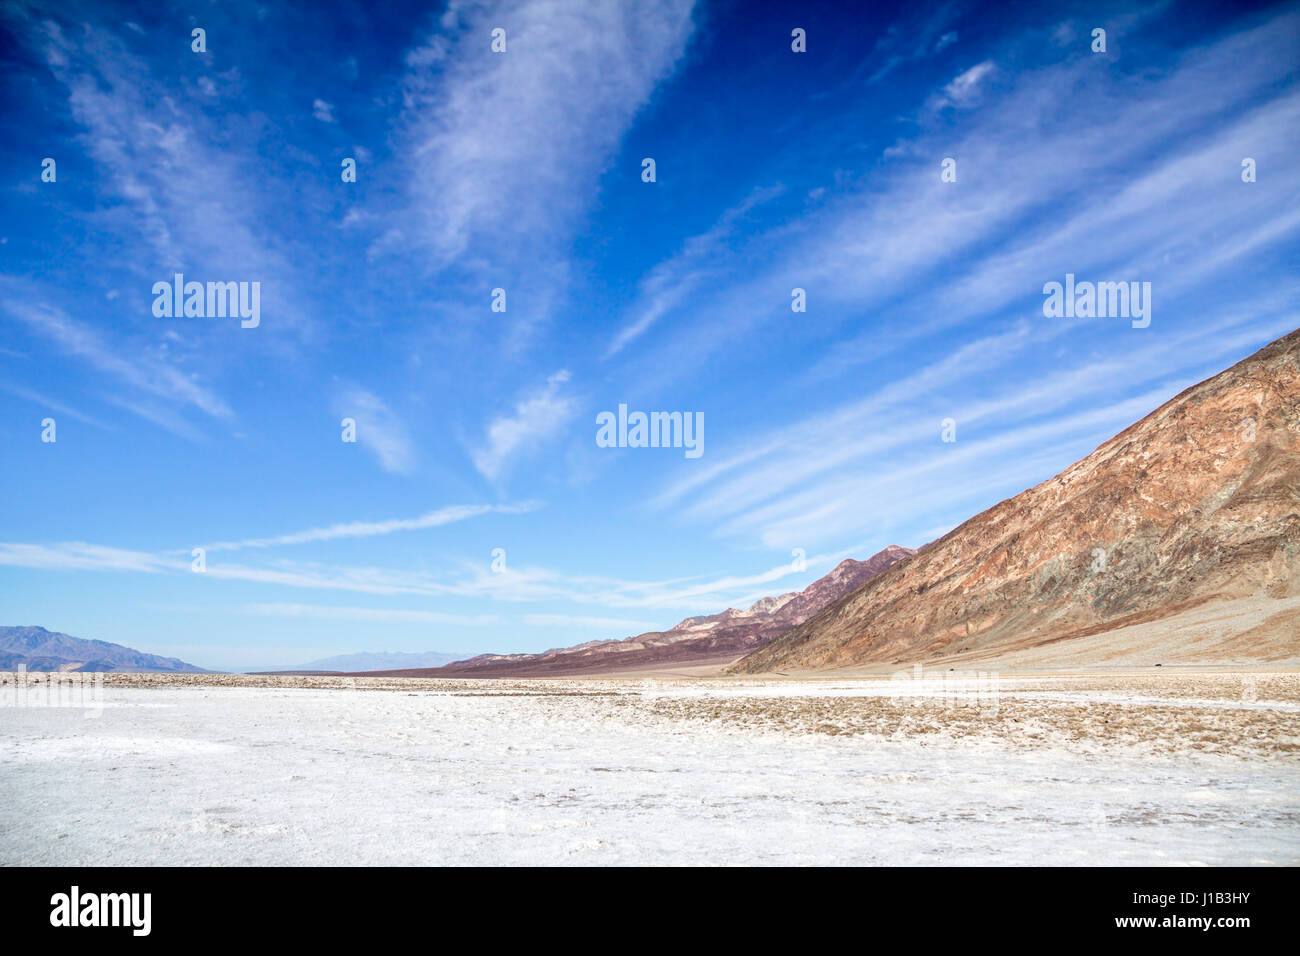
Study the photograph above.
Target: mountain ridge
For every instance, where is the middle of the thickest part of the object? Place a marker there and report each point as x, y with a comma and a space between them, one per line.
709, 638
1197, 502
39, 649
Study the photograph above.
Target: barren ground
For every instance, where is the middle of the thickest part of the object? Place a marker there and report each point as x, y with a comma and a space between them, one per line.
1155, 766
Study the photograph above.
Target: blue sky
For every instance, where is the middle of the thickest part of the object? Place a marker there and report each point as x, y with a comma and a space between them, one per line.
522, 170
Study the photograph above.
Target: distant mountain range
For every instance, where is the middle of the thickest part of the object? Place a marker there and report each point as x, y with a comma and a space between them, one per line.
708, 639
40, 650
1182, 531
356, 663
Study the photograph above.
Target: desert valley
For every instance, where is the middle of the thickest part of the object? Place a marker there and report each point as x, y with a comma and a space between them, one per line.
1104, 668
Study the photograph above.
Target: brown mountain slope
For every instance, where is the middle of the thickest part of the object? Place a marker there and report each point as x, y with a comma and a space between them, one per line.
1199, 502
715, 638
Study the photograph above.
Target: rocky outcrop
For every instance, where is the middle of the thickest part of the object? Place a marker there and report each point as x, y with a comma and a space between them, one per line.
1198, 502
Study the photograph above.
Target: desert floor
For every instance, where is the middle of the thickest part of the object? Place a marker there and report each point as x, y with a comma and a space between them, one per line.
1141, 767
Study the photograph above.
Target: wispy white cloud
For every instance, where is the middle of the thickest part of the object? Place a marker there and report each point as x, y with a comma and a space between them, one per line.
670, 282
503, 153
165, 418
151, 373
933, 255
486, 163
387, 615
80, 556
170, 169
535, 419
925, 31
970, 471
519, 585
806, 482
365, 529
379, 430
613, 625
964, 90
36, 398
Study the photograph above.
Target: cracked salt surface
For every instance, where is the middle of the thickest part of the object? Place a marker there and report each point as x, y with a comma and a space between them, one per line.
231, 775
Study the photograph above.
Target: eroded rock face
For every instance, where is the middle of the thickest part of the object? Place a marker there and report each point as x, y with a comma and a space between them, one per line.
1197, 502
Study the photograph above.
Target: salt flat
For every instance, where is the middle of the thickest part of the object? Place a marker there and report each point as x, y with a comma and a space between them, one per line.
1127, 769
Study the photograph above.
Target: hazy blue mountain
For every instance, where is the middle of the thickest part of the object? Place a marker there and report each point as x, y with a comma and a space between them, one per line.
379, 661
41, 650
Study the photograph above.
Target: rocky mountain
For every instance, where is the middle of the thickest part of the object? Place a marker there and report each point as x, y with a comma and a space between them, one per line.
40, 650
714, 638
1190, 514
